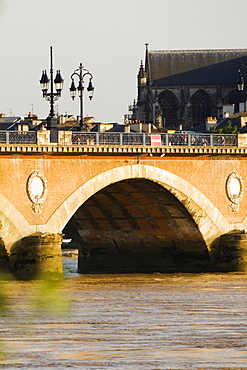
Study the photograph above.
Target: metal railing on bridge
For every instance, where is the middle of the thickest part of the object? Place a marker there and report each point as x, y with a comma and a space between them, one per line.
130, 139
164, 139
18, 137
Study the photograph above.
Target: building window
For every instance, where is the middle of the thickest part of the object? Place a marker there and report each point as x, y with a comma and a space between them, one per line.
201, 107
169, 106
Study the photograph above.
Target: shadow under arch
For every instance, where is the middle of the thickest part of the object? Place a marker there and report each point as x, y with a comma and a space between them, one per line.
188, 224
136, 225
209, 220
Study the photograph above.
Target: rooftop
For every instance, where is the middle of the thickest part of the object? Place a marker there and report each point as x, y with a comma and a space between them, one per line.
196, 67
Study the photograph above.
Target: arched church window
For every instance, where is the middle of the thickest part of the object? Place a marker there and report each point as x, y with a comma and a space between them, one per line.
200, 106
169, 106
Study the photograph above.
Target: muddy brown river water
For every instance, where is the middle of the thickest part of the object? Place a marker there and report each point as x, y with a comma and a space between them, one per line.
123, 322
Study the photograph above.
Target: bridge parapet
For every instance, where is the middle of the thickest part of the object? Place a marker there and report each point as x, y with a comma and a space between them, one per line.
42, 137
242, 140
157, 139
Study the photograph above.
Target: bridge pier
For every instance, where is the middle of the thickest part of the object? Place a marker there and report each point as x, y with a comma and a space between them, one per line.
4, 260
229, 252
36, 256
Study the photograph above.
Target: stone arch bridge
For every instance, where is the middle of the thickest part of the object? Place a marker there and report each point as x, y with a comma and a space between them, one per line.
127, 209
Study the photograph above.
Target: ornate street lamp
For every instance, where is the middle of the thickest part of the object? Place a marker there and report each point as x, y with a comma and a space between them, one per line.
51, 96
240, 82
81, 72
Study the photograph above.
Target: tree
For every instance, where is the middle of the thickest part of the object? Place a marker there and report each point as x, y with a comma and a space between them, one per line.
227, 129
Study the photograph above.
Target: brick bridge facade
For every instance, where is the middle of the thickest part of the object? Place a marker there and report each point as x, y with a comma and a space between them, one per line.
126, 209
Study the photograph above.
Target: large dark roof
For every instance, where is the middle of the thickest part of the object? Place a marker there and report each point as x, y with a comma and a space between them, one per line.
9, 123
196, 67
10, 119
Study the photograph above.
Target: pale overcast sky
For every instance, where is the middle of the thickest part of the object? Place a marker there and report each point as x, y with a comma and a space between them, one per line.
108, 37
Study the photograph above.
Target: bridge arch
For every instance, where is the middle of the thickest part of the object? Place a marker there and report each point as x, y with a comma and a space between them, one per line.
13, 225
209, 220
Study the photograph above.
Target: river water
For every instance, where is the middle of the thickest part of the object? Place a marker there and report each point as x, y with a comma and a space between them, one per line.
136, 321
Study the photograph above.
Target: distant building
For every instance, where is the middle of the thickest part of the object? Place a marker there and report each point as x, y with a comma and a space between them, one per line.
64, 123
9, 123
182, 88
70, 123
29, 123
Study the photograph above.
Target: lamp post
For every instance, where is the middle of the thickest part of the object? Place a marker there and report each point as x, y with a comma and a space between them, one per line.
240, 82
81, 73
241, 87
51, 96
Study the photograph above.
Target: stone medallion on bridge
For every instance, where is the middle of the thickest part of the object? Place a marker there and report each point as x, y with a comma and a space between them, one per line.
234, 190
36, 190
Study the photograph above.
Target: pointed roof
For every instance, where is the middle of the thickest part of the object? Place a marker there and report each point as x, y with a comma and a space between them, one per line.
141, 70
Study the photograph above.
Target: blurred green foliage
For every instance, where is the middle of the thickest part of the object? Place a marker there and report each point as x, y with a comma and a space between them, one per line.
227, 129
39, 297
49, 297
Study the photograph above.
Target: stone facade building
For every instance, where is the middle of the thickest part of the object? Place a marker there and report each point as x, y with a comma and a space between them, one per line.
181, 88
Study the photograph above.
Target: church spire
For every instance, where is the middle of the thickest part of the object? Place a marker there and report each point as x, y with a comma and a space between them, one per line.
141, 71
147, 62
142, 76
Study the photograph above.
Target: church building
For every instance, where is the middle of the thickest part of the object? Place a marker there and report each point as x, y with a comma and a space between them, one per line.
181, 88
